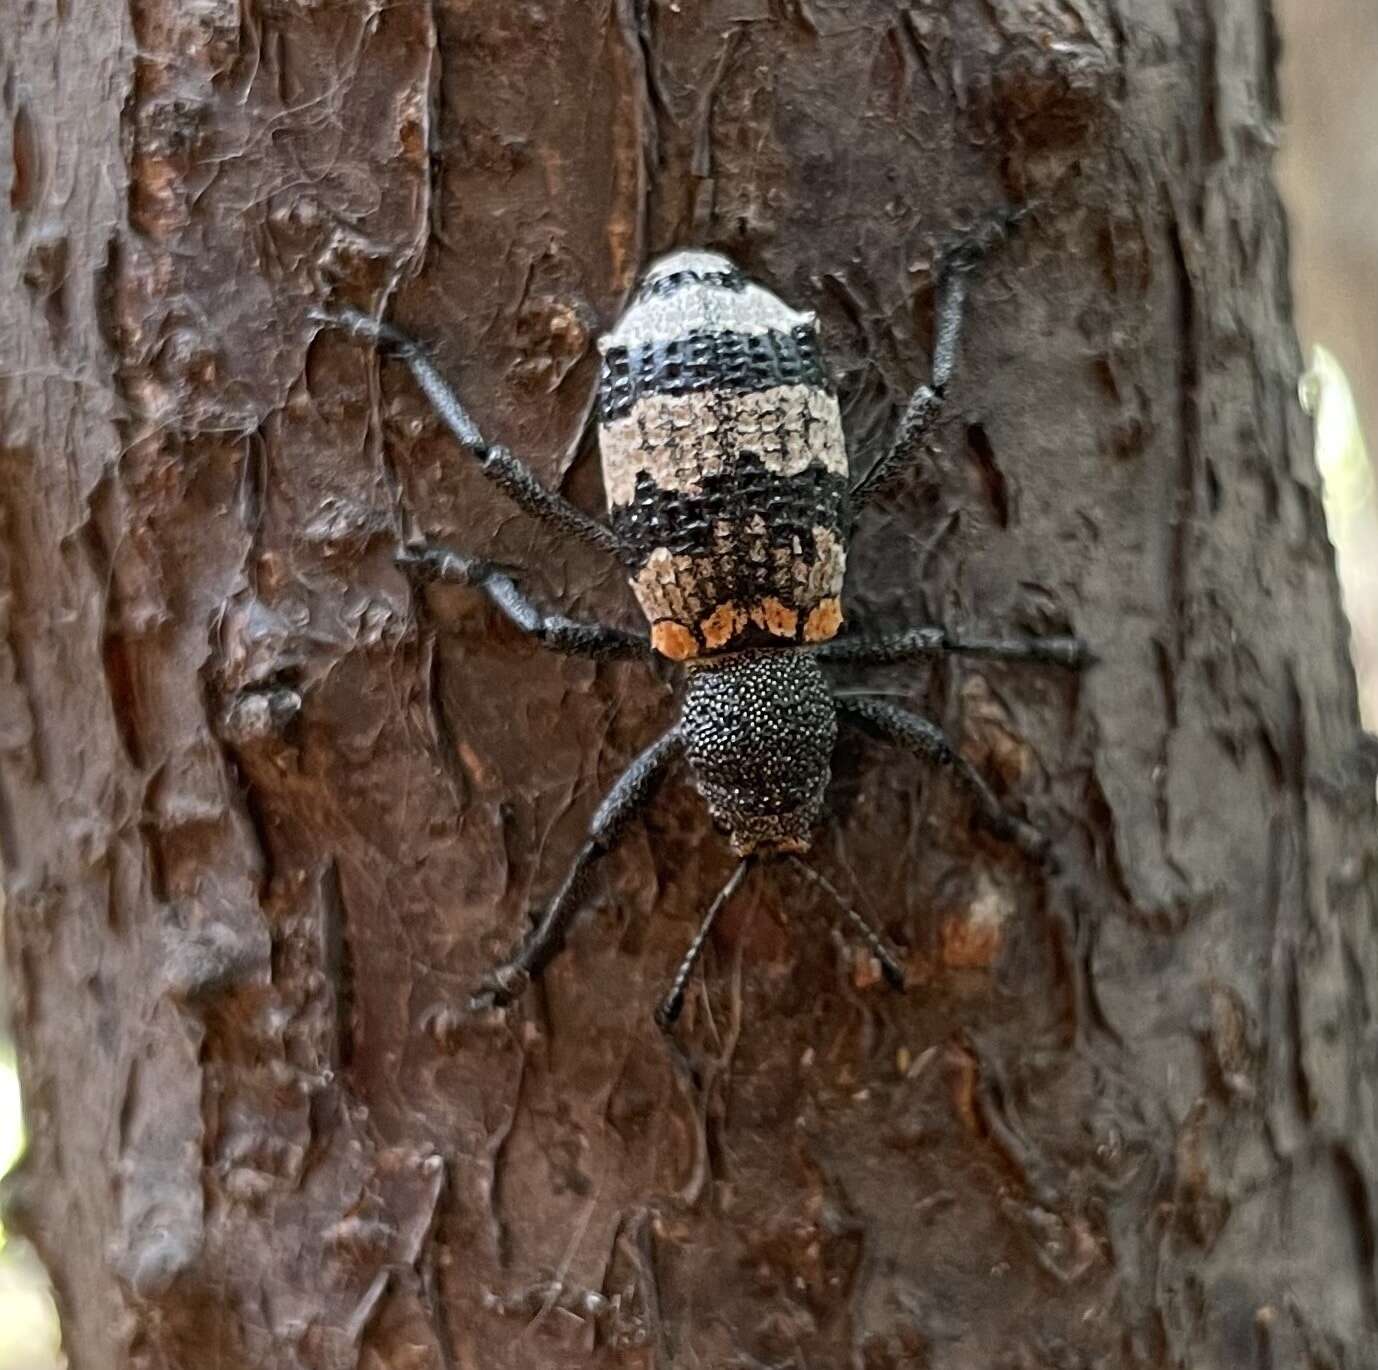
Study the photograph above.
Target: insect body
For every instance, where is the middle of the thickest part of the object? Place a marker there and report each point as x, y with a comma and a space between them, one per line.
726, 475
724, 462
729, 499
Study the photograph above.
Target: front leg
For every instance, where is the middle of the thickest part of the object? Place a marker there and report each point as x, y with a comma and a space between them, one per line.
928, 741
514, 478
434, 562
926, 403
929, 642
625, 801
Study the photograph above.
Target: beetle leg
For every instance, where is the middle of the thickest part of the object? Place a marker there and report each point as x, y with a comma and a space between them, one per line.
432, 561
628, 798
926, 403
934, 640
928, 741
513, 477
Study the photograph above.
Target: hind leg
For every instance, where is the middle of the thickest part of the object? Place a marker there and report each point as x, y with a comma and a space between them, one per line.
625, 801
928, 741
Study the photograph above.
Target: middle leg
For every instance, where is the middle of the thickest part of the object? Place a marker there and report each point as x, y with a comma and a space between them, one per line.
434, 562
934, 640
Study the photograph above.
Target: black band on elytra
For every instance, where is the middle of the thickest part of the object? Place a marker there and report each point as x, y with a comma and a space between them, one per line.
678, 280
686, 522
733, 363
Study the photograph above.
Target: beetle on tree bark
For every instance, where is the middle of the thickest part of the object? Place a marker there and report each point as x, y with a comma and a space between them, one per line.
727, 480
261, 825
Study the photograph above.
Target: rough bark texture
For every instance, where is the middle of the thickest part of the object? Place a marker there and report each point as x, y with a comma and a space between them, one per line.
266, 814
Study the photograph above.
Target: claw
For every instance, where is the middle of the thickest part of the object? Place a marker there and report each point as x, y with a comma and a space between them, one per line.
439, 563
893, 973
364, 326
1069, 651
487, 1001
1034, 844
967, 252
499, 988
668, 1011
1081, 654
1005, 826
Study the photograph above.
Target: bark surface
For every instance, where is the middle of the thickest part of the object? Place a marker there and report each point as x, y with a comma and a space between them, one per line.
266, 813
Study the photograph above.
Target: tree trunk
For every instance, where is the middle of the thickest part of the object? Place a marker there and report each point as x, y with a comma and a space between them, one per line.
267, 814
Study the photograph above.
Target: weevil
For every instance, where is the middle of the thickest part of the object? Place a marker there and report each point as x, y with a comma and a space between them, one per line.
730, 500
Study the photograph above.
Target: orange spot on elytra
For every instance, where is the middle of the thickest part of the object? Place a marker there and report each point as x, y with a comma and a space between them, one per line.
673, 640
824, 621
722, 625
775, 617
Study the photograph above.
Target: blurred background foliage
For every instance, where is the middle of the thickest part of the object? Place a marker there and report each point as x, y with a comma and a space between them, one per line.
28, 1322
1350, 510
1328, 171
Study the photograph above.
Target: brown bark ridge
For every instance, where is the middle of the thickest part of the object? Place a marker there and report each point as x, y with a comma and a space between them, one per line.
266, 813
